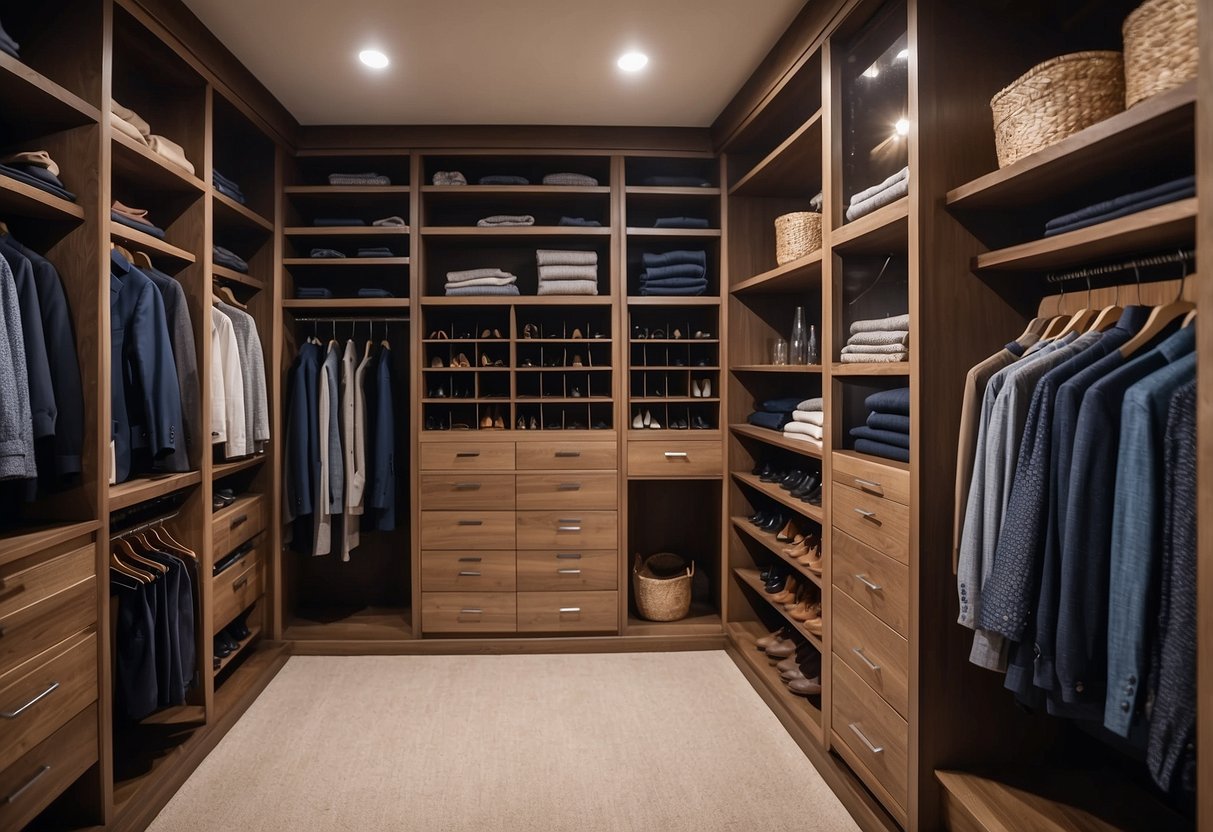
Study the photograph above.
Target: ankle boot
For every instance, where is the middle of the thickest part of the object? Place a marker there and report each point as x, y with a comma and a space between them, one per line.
789, 591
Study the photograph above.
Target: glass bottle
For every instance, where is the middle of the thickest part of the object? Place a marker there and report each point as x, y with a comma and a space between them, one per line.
814, 357
798, 346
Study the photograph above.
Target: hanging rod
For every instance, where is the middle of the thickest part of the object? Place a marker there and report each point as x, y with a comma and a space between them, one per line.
362, 320
142, 527
1181, 256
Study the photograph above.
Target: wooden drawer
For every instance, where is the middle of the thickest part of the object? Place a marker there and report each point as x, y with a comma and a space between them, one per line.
878, 655
561, 570
877, 583
872, 477
568, 490
236, 588
871, 736
468, 612
237, 524
580, 456
453, 491
882, 524
32, 782
675, 459
567, 528
46, 620
471, 529
467, 456
26, 582
40, 696
473, 570
568, 612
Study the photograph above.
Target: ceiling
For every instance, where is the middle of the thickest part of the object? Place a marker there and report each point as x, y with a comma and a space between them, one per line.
500, 62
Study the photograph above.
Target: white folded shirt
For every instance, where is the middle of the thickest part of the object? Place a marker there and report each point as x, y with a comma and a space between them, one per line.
809, 417
815, 431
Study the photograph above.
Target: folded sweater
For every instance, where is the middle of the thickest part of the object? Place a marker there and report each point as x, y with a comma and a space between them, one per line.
368, 178
472, 274
501, 220
872, 349
868, 193
879, 338
469, 291
817, 404
815, 431
568, 287
888, 437
874, 358
132, 118
672, 291
679, 270
579, 222
783, 405
885, 197
867, 446
547, 273
889, 421
893, 322
680, 222
1172, 192
171, 151
809, 417
503, 179
579, 179
39, 158
675, 258
677, 182
674, 283
556, 257
765, 419
896, 401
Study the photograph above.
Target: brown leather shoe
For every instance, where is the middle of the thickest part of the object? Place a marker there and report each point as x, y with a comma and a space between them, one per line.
805, 687
789, 591
814, 623
797, 549
782, 649
790, 663
788, 533
789, 675
769, 639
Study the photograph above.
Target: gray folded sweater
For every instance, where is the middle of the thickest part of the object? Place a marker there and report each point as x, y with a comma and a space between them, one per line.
877, 338
568, 287
500, 220
882, 198
555, 257
570, 179
896, 322
568, 273
868, 193
472, 274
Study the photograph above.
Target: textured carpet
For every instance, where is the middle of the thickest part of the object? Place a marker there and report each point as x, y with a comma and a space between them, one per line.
649, 741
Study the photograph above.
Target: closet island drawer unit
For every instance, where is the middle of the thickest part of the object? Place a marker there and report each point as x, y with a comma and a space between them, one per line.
556, 612
561, 569
571, 489
469, 529
37, 778
467, 570
468, 612
467, 456
236, 588
458, 491
673, 459
872, 737
564, 455
561, 528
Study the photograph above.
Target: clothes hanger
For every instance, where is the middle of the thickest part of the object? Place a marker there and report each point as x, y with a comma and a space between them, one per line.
121, 568
126, 549
1188, 319
1082, 318
123, 251
142, 260
1057, 322
3, 228
1109, 315
163, 535
228, 296
1160, 317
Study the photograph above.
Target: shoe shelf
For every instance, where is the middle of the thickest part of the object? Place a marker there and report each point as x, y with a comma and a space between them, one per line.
780, 496
777, 439
775, 547
805, 710
753, 579
245, 644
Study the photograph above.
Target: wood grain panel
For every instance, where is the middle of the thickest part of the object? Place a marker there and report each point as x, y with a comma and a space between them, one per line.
470, 529
568, 612
673, 459
882, 524
236, 590
550, 456
871, 477
567, 528
484, 491
29, 581
35, 627
876, 582
876, 653
468, 612
467, 456
28, 785
468, 570
237, 524
860, 714
572, 489
566, 570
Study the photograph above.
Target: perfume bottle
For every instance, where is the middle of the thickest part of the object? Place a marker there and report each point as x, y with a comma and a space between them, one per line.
814, 355
798, 345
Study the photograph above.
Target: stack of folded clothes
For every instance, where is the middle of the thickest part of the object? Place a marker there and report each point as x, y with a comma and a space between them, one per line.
567, 272
680, 222
325, 254
682, 273
135, 218
228, 259
313, 293
505, 220
368, 178
774, 413
227, 187
887, 432
37, 169
482, 282
878, 196
502, 179
374, 293
808, 422
8, 45
579, 222
1122, 206
338, 222
677, 182
878, 341
449, 177
390, 222
131, 124
578, 179
375, 251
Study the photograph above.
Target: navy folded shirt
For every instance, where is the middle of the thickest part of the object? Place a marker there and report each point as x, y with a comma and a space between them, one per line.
888, 437
146, 228
867, 446
503, 179
38, 177
680, 222
774, 421
1122, 206
895, 401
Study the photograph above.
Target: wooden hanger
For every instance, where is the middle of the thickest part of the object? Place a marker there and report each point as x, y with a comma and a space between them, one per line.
161, 536
121, 566
142, 260
126, 549
3, 228
1036, 327
1160, 318
226, 294
1188, 319
121, 250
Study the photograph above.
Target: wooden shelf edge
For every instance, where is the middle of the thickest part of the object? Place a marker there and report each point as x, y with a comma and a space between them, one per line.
31, 77
248, 214
22, 542
344, 262
894, 368
776, 368
771, 158
516, 189
636, 231
345, 190
148, 242
777, 494
658, 190
141, 490
36, 202
788, 272
346, 231
853, 234
776, 438
156, 160
753, 579
663, 300
895, 464
226, 469
224, 273
347, 303
514, 231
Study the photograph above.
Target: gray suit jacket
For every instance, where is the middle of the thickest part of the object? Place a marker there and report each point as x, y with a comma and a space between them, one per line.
16, 424
185, 358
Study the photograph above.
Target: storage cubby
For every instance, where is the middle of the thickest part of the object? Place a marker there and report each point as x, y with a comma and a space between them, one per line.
530, 167
61, 40
315, 167
443, 255
660, 171
670, 244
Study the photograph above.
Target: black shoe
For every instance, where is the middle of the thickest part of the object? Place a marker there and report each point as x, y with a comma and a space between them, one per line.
679, 424
806, 485
760, 517
772, 474
813, 498
599, 425
774, 522
222, 650
791, 479
762, 469
700, 423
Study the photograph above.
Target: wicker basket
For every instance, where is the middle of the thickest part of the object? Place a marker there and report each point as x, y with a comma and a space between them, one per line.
1160, 47
796, 235
1056, 99
661, 596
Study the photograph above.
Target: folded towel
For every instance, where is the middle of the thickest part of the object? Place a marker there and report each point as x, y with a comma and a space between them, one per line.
486, 281
872, 349
502, 179
170, 151
128, 129
815, 431
38, 158
325, 254
449, 177
688, 292
375, 293
781, 405
568, 287
812, 405
227, 258
880, 449
568, 273
481, 291
390, 222
817, 202
885, 197
680, 222
132, 118
893, 322
875, 358
579, 222
579, 179
1128, 204
472, 274
766, 419
338, 222
370, 178
673, 283
313, 293
889, 421
675, 258
868, 193
677, 182
803, 437
375, 251
888, 437
680, 270
553, 257
809, 417
879, 338
498, 220
138, 225
895, 401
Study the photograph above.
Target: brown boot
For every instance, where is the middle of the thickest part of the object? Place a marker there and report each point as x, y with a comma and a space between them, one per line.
805, 687
814, 623
767, 640
789, 591
782, 649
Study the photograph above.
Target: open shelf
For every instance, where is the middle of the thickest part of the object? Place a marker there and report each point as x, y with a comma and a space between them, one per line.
1154, 129
40, 100
348, 304
776, 438
894, 368
753, 579
1161, 227
535, 190
343, 262
776, 368
368, 624
780, 496
226, 469
774, 547
673, 232
230, 213
523, 231
142, 489
345, 190
234, 276
520, 300
702, 620
27, 201
801, 708
148, 243
254, 634
661, 300
884, 230
139, 164
800, 275
792, 169
346, 231
23, 541
660, 191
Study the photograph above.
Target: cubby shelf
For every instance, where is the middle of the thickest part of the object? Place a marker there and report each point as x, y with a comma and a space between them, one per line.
254, 635
744, 634
776, 438
533, 190
27, 201
800, 275
149, 244
896, 368
138, 164
701, 620
673, 232
230, 213
780, 496
346, 231
659, 191
226, 469
709, 300
774, 546
791, 169
519, 300
885, 229
345, 190
753, 579
522, 231
336, 263
40, 100
776, 368
142, 489
224, 273
349, 304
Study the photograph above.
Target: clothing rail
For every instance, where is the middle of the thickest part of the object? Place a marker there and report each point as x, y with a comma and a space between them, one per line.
142, 527
362, 320
1181, 256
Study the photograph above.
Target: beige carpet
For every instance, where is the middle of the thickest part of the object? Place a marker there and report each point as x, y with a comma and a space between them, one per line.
647, 742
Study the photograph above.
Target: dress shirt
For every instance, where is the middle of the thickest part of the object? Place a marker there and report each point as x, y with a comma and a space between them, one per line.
1137, 522
236, 438
1082, 622
16, 424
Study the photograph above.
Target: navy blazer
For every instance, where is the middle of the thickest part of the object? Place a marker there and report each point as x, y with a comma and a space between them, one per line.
144, 390
303, 444
381, 481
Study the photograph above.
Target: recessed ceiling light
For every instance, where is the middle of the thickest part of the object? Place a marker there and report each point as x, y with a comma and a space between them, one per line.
373, 58
903, 54
633, 61
902, 127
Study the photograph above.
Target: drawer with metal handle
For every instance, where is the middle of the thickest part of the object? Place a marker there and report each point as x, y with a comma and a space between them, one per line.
32, 781
692, 459
470, 455
891, 482
478, 491
448, 613
563, 569
568, 612
876, 582
236, 589
567, 528
572, 489
871, 737
467, 570
238, 523
873, 650
563, 455
467, 529
882, 524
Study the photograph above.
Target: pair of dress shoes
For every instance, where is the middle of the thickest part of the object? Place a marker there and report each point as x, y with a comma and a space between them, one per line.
802, 674
227, 641
222, 498
768, 521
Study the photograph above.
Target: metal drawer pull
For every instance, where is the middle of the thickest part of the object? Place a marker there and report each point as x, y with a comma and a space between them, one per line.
569, 486
869, 484
471, 559
240, 584
569, 556
863, 579
875, 749
8, 801
570, 610
14, 714
568, 571
242, 519
676, 454
471, 611
568, 454
858, 651
469, 574
466, 454
470, 523
866, 514
569, 529
467, 486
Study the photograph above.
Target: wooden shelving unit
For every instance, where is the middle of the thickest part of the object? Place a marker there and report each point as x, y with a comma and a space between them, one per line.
229, 212
801, 275
776, 439
896, 368
805, 710
152, 245
140, 490
883, 230
780, 496
26, 200
775, 547
753, 579
233, 276
791, 169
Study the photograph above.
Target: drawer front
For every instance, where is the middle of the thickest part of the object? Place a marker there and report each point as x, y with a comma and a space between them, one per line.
451, 491
873, 734
468, 612
568, 490
31, 783
675, 459
878, 655
40, 696
882, 524
23, 584
467, 456
568, 569
39, 627
872, 478
877, 583
568, 528
237, 524
471, 529
577, 456
473, 570
236, 588
568, 612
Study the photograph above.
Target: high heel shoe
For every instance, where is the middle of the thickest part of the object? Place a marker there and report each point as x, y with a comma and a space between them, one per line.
461, 360
705, 388
638, 421
485, 361
787, 533
788, 593
437, 361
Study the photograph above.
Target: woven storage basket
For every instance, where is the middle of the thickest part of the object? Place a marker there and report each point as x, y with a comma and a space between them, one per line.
1056, 99
660, 595
1160, 47
796, 235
